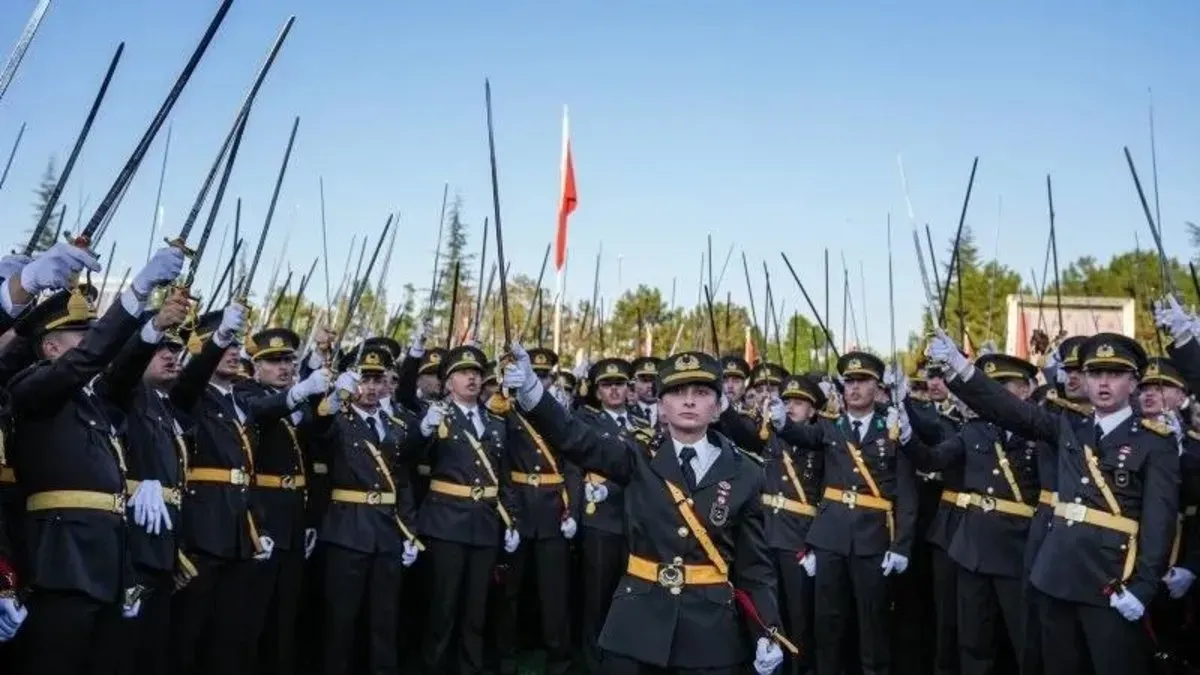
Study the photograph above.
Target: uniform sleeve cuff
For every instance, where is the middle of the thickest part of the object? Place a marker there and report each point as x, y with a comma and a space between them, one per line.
131, 304
150, 335
6, 301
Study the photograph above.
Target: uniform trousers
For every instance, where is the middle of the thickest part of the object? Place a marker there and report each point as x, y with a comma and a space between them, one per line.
548, 560
209, 622
987, 604
147, 638
461, 577
69, 633
276, 596
796, 603
1074, 634
846, 586
604, 557
356, 581
1030, 656
616, 664
945, 606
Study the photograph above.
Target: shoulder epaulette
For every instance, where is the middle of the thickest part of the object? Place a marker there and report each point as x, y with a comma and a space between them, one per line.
829, 415
1157, 427
1061, 402
591, 408
759, 459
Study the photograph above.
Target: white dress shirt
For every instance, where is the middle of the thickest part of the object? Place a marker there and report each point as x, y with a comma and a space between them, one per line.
372, 419
472, 413
1109, 422
228, 391
619, 417
651, 412
706, 455
865, 423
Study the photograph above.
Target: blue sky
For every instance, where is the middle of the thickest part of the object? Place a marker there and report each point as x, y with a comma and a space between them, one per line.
772, 125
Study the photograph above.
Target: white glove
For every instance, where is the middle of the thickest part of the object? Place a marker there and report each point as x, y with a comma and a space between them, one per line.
941, 348
131, 611
316, 384
900, 388
809, 563
519, 376
433, 419
893, 563
778, 412
1178, 580
416, 346
149, 507
1127, 604
12, 616
580, 371
897, 418
560, 395
162, 268
233, 320
347, 382
267, 545
1170, 419
56, 267
827, 388
315, 360
310, 542
409, 556
568, 528
512, 539
599, 492
1171, 317
767, 656
12, 264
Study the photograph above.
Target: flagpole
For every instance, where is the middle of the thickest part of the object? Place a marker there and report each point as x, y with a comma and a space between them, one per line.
560, 255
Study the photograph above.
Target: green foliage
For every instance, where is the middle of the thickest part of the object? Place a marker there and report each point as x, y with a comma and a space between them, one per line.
41, 202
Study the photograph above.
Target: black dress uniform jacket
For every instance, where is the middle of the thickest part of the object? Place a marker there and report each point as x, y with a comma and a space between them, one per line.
1139, 461
367, 528
608, 515
64, 440
933, 423
542, 505
859, 531
454, 460
221, 519
698, 627
986, 540
280, 467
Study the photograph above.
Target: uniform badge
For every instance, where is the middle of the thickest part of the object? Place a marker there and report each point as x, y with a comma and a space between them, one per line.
719, 513
1121, 478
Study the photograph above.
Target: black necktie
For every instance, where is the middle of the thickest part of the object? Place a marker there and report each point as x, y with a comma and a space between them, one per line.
378, 425
1099, 434
471, 421
857, 424
237, 414
686, 454
621, 421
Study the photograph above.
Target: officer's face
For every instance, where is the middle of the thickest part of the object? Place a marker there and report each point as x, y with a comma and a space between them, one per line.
547, 379
60, 342
1076, 386
369, 388
464, 385
1150, 398
750, 398
429, 385
163, 368
612, 394
860, 393
643, 386
689, 409
631, 397
936, 388
278, 373
228, 366
734, 386
1109, 391
799, 409
1173, 397
387, 385
767, 390
1018, 388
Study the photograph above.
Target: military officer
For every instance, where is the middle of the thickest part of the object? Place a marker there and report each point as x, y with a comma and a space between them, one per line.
469, 513
996, 504
734, 373
672, 608
864, 529
1107, 548
645, 374
766, 378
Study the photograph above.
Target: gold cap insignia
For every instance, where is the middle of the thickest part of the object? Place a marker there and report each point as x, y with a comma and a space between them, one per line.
854, 364
793, 386
540, 359
1153, 370
687, 362
990, 367
1105, 351
276, 343
371, 359
435, 357
78, 306
1074, 353
468, 357
613, 369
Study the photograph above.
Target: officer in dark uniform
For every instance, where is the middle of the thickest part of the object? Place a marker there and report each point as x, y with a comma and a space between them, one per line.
672, 608
548, 493
281, 492
864, 529
996, 505
603, 522
469, 513
645, 375
68, 451
367, 533
734, 373
766, 378
1107, 548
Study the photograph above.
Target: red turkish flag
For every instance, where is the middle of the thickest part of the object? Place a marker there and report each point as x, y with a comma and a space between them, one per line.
567, 199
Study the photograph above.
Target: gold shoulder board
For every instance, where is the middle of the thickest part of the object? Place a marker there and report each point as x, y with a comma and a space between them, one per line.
1156, 426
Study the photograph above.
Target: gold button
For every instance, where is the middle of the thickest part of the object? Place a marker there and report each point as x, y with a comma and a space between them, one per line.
1084, 480
537, 468
856, 470
690, 502
995, 472
677, 561
477, 481
683, 531
990, 490
675, 590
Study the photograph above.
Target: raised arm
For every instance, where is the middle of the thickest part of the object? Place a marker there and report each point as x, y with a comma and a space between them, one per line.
602, 452
940, 457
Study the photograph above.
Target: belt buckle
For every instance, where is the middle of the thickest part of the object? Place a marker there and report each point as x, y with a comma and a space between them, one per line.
533, 479
477, 493
287, 482
962, 500
987, 503
374, 498
1074, 513
119, 503
238, 477
850, 499
671, 577
775, 501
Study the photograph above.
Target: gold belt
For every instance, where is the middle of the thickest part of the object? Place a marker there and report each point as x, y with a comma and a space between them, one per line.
988, 504
675, 575
1048, 498
959, 499
76, 499
361, 497
280, 482
596, 479
475, 492
1078, 513
7, 475
536, 479
171, 495
853, 499
224, 476
779, 502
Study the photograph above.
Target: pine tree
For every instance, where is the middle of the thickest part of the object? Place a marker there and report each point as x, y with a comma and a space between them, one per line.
454, 252
42, 196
